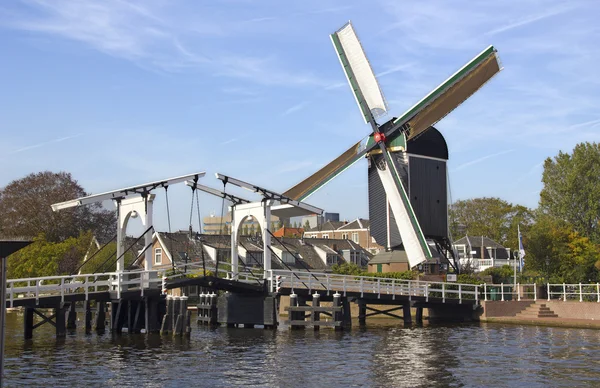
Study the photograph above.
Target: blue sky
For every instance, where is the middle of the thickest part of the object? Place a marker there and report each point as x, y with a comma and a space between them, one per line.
123, 92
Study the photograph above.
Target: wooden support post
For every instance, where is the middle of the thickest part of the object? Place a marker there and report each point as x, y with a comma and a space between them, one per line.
100, 321
316, 316
419, 315
135, 327
28, 323
295, 315
362, 313
61, 327
346, 316
87, 317
167, 323
72, 317
118, 315
151, 315
406, 314
337, 315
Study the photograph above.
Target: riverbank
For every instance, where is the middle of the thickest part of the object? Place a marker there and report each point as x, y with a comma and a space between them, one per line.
571, 314
571, 323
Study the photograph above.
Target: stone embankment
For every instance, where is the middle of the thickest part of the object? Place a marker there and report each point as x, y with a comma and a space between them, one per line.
543, 313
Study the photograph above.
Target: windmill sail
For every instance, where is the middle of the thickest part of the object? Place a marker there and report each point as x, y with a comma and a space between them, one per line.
302, 190
359, 73
412, 236
451, 93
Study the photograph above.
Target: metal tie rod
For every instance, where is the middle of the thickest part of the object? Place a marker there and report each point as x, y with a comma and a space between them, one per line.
269, 194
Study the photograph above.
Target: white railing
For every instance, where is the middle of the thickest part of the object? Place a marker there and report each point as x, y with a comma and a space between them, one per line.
332, 283
197, 269
578, 292
504, 292
80, 284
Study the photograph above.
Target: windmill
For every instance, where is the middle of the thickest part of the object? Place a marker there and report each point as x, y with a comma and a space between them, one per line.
407, 156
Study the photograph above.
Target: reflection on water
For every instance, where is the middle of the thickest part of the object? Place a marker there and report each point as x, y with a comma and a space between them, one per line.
384, 355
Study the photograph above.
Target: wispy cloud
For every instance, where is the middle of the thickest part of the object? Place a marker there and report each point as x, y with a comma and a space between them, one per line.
294, 108
531, 19
479, 160
148, 35
39, 145
395, 69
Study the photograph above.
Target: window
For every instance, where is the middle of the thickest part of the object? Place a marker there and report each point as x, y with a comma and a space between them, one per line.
462, 250
355, 258
331, 259
288, 258
158, 256
355, 237
345, 236
325, 235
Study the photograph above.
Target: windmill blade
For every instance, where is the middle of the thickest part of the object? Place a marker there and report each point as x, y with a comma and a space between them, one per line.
413, 239
359, 73
451, 93
308, 186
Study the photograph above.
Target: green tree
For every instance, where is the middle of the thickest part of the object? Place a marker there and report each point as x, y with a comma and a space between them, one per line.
105, 260
306, 225
490, 217
25, 209
245, 230
571, 257
47, 258
571, 191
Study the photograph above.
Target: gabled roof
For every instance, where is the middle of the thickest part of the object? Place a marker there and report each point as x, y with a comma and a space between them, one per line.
475, 241
329, 226
396, 256
358, 223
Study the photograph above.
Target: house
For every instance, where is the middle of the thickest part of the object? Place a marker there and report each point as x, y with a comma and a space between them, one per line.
356, 231
397, 261
482, 252
214, 224
289, 232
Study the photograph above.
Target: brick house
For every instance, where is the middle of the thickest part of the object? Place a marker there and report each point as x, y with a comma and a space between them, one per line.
356, 231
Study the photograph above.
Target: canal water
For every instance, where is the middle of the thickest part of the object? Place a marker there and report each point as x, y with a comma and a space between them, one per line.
383, 355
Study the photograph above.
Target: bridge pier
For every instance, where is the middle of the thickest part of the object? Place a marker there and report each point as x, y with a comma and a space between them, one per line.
419, 316
100, 319
60, 323
151, 315
28, 323
240, 309
72, 317
87, 317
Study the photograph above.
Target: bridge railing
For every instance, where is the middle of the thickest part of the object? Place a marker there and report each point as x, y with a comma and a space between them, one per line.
577, 292
508, 291
315, 281
197, 269
80, 284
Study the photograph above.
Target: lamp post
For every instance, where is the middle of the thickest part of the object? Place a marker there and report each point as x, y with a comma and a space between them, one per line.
547, 268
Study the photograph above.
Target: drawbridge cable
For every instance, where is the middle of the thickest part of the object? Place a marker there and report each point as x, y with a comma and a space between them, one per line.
297, 259
94, 255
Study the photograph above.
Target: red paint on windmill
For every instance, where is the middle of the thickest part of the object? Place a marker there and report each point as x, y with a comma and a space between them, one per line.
379, 137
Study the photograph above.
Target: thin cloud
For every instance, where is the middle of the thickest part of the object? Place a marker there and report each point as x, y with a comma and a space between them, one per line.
529, 20
479, 160
34, 146
295, 108
394, 69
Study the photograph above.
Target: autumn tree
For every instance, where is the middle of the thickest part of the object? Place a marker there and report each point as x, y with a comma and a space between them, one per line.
571, 191
25, 209
490, 217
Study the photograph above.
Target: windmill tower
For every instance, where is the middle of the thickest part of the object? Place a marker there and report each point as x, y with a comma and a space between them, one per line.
407, 156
